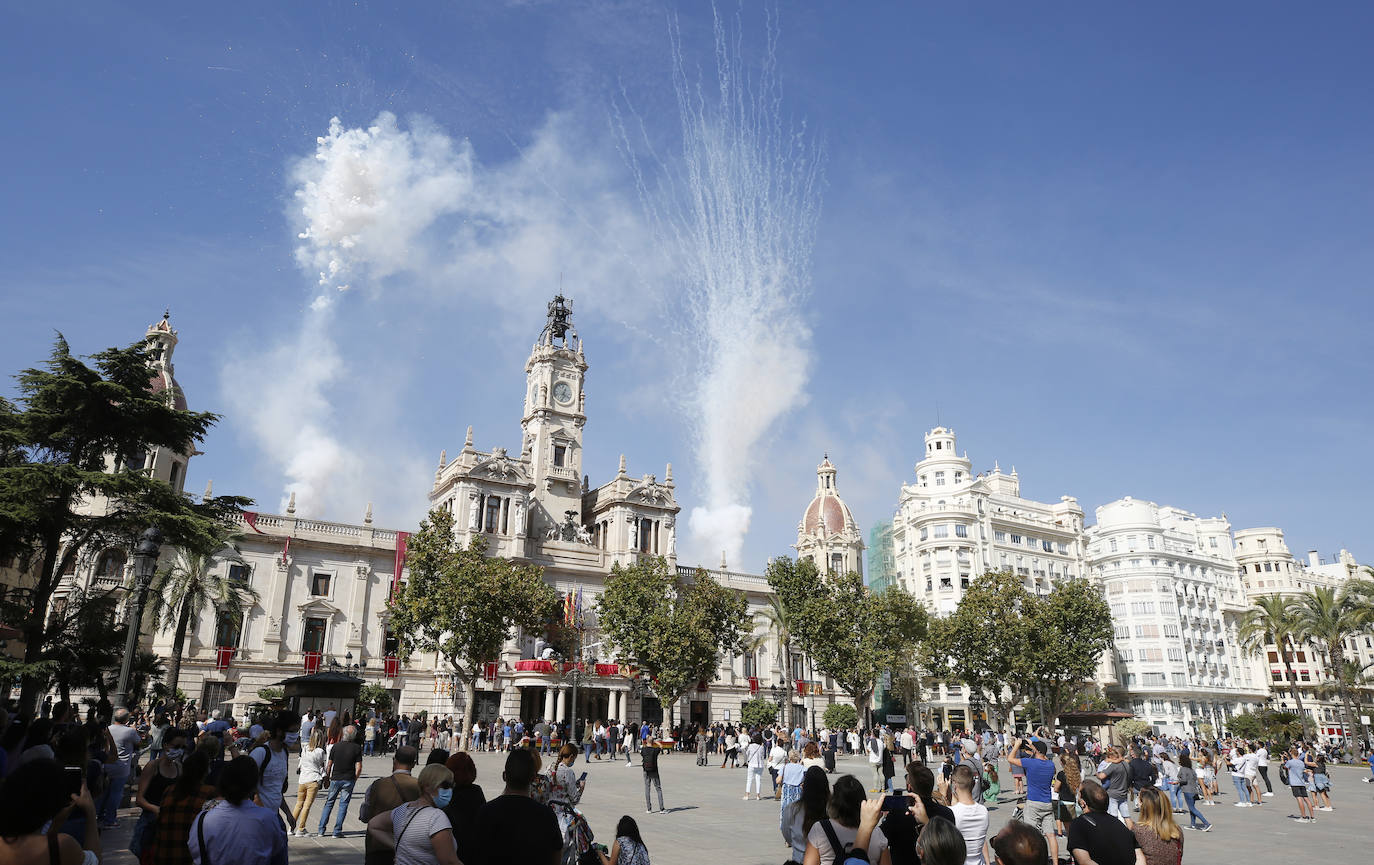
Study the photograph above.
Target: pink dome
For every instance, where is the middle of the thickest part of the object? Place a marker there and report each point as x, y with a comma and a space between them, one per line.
827, 511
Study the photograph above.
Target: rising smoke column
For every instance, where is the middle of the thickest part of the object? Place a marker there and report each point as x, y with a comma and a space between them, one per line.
737, 209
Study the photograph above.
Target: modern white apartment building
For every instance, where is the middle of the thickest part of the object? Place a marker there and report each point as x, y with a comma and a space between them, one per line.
1176, 598
952, 525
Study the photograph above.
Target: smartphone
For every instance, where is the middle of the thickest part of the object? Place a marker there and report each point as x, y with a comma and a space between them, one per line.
583, 778
74, 778
896, 803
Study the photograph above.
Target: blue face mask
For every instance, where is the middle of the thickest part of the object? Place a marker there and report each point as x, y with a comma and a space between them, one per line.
442, 797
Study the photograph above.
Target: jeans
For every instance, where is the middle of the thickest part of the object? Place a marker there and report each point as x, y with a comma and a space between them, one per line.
337, 790
118, 773
367, 746
1194, 815
1242, 788
1119, 808
305, 798
753, 778
652, 778
587, 751
1175, 794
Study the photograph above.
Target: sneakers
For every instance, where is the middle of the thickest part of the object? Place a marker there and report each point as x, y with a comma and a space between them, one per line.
1326, 808
651, 810
1242, 804
1270, 793
1207, 828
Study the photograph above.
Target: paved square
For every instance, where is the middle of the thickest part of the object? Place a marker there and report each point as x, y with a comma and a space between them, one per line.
708, 822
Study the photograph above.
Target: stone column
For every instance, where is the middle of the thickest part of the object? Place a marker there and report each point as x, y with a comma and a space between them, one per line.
614, 709
559, 707
548, 703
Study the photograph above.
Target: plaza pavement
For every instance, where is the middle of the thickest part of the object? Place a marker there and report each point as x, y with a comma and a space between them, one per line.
707, 822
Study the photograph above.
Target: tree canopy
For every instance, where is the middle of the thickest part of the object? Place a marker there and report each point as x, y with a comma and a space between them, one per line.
72, 438
675, 629
851, 634
464, 604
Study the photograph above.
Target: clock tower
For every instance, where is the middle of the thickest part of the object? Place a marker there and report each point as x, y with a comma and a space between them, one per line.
554, 416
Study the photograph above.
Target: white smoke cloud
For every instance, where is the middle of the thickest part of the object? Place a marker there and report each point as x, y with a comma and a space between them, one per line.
405, 209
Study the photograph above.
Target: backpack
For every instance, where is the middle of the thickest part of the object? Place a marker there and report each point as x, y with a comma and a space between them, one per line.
851, 856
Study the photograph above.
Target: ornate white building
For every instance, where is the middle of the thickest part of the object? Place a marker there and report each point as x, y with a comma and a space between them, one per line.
1176, 599
952, 525
322, 586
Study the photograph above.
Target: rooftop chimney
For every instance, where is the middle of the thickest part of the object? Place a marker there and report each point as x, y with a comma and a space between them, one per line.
1313, 560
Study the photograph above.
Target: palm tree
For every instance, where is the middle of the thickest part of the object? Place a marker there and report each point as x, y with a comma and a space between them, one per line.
183, 588
1327, 618
1273, 620
778, 625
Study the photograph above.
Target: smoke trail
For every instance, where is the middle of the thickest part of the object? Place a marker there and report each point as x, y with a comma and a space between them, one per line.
737, 209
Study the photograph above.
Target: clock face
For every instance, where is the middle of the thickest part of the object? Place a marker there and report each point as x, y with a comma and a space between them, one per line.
562, 392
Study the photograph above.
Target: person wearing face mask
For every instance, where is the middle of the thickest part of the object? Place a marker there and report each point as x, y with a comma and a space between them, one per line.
153, 783
419, 831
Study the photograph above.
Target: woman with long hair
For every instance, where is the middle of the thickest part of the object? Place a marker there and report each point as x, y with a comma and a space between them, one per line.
179, 807
311, 776
826, 841
628, 848
35, 795
801, 815
1155, 831
1190, 788
335, 733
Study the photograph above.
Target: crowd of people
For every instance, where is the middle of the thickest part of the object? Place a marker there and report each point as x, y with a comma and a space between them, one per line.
213, 790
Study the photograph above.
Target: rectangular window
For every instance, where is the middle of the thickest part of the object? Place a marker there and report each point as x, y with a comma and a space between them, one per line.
228, 630
958, 476
1118, 610
1212, 542
1150, 541
238, 573
492, 521
1147, 630
560, 455
939, 479
319, 583
1176, 654
1123, 632
313, 639
942, 531
1171, 630
961, 531
999, 536
1180, 679
923, 533
1140, 608
1151, 654
1047, 546
1016, 539
1113, 543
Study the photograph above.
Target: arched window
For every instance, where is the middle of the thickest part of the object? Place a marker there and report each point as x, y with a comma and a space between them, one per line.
110, 565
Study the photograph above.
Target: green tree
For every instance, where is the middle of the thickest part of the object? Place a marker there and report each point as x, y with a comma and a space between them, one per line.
1066, 631
1273, 621
758, 713
840, 716
675, 629
1131, 728
69, 440
776, 620
1327, 618
985, 643
465, 605
374, 695
192, 581
851, 634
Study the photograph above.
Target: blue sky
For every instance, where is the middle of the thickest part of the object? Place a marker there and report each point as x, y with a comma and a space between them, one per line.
1126, 251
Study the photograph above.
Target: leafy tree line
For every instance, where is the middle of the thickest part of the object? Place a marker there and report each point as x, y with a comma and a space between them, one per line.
70, 441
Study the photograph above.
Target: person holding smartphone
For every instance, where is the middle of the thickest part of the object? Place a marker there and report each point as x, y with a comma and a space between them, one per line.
37, 794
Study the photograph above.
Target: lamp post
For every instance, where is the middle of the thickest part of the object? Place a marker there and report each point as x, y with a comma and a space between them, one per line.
145, 565
778, 692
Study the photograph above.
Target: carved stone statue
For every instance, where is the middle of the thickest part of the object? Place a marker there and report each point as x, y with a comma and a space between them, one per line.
473, 516
519, 515
583, 535
634, 531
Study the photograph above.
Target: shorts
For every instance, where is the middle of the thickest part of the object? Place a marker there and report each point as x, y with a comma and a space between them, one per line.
1118, 808
1320, 782
1041, 816
1299, 791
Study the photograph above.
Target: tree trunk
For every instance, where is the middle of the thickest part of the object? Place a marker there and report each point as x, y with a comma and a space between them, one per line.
1337, 663
1287, 655
469, 709
178, 645
36, 626
787, 685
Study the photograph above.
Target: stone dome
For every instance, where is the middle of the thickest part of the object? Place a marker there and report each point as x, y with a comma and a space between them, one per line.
827, 511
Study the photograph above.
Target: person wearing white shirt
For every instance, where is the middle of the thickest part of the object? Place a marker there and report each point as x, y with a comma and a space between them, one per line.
754, 761
777, 758
971, 817
1262, 763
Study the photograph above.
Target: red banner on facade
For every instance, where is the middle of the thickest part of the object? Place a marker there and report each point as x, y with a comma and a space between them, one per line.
391, 666
223, 655
702, 685
608, 669
489, 670
312, 662
753, 684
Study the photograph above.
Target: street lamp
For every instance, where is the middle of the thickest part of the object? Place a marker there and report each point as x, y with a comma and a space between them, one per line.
778, 692
145, 565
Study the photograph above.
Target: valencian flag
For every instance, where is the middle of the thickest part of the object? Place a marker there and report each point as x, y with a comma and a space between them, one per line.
251, 518
568, 608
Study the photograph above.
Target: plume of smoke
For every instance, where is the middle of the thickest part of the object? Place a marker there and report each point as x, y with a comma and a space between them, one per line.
737, 210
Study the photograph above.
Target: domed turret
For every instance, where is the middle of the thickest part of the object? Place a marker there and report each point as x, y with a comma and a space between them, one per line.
828, 533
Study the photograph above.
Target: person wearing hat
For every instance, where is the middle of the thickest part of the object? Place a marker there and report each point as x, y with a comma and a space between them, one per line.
1039, 769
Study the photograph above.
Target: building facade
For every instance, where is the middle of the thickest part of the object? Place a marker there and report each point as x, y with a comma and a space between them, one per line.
322, 586
827, 534
952, 525
882, 565
1176, 599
